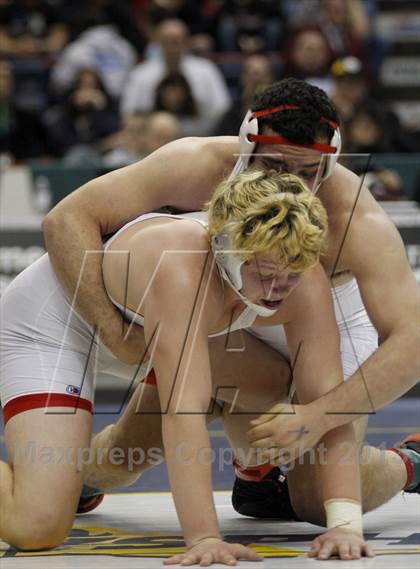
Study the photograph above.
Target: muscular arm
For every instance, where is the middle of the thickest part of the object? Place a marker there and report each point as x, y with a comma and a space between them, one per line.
375, 254
314, 346
181, 174
180, 358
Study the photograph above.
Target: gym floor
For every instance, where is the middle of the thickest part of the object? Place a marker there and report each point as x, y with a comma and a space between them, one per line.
138, 528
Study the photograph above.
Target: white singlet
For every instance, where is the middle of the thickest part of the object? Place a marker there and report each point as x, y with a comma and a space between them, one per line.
49, 355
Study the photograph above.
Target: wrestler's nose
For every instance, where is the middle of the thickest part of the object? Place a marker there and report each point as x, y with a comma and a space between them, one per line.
281, 286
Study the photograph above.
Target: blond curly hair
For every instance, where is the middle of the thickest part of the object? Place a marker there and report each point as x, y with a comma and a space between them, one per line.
270, 214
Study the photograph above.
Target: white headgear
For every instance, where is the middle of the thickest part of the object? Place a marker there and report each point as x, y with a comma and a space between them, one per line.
249, 135
229, 264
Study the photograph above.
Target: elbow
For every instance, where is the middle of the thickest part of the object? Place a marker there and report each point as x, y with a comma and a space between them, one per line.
50, 225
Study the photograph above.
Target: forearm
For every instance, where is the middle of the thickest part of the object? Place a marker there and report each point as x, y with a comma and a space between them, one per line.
74, 247
340, 476
186, 442
384, 377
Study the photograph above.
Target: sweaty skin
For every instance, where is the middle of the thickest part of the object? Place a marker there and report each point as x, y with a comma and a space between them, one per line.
362, 242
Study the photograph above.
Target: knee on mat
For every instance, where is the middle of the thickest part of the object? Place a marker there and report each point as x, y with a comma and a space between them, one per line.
35, 538
40, 531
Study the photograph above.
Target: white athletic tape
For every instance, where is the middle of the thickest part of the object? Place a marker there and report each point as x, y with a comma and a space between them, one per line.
344, 513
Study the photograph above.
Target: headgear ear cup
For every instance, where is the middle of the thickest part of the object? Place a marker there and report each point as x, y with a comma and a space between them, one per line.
228, 261
229, 264
331, 159
246, 147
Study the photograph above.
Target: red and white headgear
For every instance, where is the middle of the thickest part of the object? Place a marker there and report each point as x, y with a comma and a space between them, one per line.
249, 136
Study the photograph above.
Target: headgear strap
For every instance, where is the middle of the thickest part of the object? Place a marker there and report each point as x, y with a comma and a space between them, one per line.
267, 139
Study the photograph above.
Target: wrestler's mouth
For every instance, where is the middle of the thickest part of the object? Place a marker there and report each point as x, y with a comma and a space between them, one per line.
272, 304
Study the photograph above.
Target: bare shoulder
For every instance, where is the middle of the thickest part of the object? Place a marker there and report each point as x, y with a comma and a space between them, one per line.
344, 193
357, 222
178, 235
197, 166
182, 174
179, 258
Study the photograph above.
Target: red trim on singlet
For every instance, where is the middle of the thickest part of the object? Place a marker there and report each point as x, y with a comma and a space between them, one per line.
252, 473
150, 378
39, 400
408, 466
277, 139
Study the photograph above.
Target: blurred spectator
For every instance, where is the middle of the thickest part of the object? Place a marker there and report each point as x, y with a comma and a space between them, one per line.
346, 25
309, 57
207, 83
191, 13
299, 14
366, 131
129, 144
186, 10
250, 26
257, 74
305, 12
88, 115
349, 87
174, 95
22, 134
375, 128
384, 184
31, 28
83, 15
100, 47
6, 110
161, 128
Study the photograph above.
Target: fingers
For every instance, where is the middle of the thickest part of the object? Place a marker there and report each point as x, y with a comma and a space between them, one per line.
190, 559
326, 550
368, 551
344, 551
315, 547
228, 559
248, 554
206, 559
263, 419
355, 552
260, 432
175, 560
279, 409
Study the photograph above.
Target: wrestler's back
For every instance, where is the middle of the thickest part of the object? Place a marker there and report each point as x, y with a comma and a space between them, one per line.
340, 194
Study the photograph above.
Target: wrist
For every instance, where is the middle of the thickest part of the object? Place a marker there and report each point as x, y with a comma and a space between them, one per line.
190, 543
344, 513
318, 416
322, 409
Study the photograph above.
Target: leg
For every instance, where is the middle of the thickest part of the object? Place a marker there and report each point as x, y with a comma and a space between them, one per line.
137, 435
383, 475
254, 378
40, 487
137, 431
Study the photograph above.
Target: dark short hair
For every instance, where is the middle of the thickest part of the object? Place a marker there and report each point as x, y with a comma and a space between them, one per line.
189, 107
303, 125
